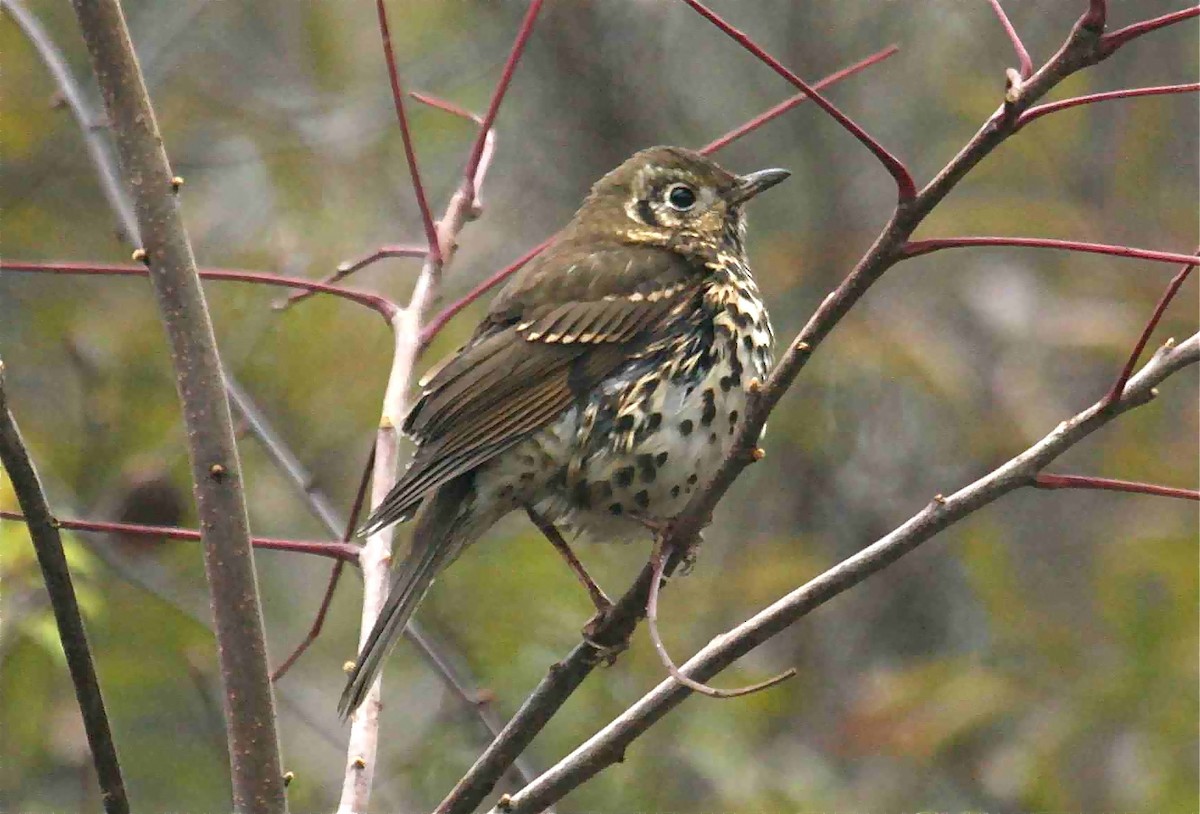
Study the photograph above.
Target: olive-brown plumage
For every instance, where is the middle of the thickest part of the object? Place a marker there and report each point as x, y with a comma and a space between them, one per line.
607, 378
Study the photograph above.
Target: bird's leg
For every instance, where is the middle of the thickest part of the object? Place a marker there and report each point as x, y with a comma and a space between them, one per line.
599, 599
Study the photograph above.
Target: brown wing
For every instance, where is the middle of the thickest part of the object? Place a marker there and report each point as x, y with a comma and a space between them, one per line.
546, 341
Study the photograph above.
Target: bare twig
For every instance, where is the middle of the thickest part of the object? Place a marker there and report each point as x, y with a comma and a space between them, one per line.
1025, 64
905, 187
658, 562
1047, 480
347, 268
375, 557
1155, 317
799, 99
43, 530
916, 248
1114, 40
1128, 93
375, 302
609, 744
343, 552
250, 709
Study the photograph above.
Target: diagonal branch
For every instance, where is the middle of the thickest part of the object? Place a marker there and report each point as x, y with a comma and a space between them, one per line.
906, 189
916, 248
1127, 93
1046, 480
43, 530
1111, 42
257, 779
609, 744
1025, 64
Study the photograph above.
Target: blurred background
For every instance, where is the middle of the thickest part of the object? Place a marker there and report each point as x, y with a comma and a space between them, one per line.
1040, 656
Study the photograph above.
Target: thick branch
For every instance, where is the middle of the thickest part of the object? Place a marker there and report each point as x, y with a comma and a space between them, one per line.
608, 746
216, 473
43, 530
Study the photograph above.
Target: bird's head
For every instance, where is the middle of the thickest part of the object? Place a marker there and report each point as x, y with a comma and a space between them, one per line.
674, 198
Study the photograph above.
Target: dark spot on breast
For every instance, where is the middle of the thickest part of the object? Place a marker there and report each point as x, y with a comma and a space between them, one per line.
692, 479
615, 508
742, 319
646, 467
685, 426
661, 458
728, 383
526, 477
623, 476
642, 499
649, 386
581, 495
747, 341
602, 490
625, 423
653, 422
710, 407
712, 438
674, 491
735, 364
733, 416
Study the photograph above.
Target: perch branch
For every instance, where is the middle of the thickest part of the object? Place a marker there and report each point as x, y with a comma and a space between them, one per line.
609, 744
43, 530
1127, 93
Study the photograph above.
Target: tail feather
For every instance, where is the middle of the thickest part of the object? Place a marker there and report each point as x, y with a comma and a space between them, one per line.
438, 538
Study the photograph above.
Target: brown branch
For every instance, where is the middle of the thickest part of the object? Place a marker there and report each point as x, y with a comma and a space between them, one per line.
1159, 309
609, 744
378, 304
43, 531
1080, 50
1046, 480
1091, 98
257, 780
906, 189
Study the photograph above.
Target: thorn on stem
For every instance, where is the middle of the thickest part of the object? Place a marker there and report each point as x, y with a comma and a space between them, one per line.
359, 763
347, 667
757, 454
288, 777
176, 182
217, 472
505, 803
140, 256
1013, 85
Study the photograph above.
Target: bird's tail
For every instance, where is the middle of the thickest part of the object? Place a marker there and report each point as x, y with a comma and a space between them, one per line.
442, 530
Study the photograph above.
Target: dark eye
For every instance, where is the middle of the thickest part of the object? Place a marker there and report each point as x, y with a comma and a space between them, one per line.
681, 197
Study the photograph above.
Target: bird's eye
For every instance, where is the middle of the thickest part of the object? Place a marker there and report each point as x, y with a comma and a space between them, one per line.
681, 197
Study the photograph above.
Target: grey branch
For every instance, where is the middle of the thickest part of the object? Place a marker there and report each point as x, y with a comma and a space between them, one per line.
43, 530
608, 745
216, 473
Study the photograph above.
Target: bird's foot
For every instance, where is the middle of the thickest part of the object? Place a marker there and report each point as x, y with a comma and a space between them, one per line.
606, 652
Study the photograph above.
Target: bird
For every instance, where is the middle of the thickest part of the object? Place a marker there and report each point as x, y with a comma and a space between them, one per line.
608, 377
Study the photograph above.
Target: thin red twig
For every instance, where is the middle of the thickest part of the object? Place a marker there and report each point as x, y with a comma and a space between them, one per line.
475, 157
1114, 394
323, 609
436, 324
915, 248
905, 187
337, 551
1046, 480
348, 267
1041, 110
410, 155
1113, 41
445, 106
1096, 15
786, 105
1024, 63
381, 305
658, 561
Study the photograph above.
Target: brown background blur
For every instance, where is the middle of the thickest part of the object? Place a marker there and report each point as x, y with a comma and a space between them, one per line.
1040, 656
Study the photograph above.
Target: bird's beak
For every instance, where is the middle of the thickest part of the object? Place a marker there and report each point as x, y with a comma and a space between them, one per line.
750, 185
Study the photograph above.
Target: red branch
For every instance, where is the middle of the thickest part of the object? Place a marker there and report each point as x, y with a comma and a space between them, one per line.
1118, 387
338, 551
345, 269
1113, 41
410, 155
1128, 93
915, 248
1049, 481
445, 106
381, 305
1025, 64
800, 98
906, 189
506, 75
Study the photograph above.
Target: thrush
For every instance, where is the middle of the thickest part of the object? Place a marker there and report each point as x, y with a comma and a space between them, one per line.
608, 377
